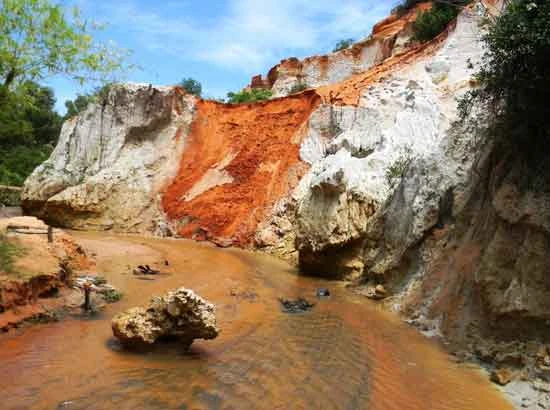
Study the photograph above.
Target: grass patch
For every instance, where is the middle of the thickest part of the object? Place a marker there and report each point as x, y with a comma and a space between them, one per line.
112, 296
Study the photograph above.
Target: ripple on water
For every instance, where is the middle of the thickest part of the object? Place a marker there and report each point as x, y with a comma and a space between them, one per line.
341, 355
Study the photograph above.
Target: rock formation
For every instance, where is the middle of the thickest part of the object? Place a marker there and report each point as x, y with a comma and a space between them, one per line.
364, 177
112, 160
180, 314
389, 37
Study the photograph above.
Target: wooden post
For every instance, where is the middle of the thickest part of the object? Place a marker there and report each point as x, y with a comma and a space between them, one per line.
87, 291
50, 234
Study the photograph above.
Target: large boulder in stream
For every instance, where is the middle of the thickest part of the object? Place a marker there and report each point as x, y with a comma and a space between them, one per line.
180, 314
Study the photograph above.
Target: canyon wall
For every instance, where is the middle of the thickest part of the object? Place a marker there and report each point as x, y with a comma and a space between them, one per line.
366, 178
390, 37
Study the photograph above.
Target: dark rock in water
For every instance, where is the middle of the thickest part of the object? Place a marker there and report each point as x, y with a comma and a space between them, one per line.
323, 292
299, 305
145, 270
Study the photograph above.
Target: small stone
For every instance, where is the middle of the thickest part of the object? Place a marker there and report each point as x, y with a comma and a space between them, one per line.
502, 376
323, 292
299, 305
380, 290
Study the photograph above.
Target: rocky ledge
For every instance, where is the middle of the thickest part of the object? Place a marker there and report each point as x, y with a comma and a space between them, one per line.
180, 314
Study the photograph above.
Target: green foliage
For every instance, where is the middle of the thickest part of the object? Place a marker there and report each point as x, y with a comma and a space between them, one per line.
18, 162
432, 22
405, 6
111, 296
298, 87
511, 101
81, 102
38, 40
192, 86
343, 44
8, 251
254, 95
29, 128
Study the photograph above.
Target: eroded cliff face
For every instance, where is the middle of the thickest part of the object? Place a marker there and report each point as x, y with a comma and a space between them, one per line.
364, 178
238, 161
390, 37
112, 161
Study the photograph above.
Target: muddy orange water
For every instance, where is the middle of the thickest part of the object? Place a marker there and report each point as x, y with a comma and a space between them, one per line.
345, 354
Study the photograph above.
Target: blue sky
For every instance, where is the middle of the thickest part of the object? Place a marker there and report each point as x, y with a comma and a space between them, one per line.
221, 43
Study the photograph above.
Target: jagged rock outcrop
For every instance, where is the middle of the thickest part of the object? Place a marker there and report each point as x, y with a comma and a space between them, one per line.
180, 314
390, 37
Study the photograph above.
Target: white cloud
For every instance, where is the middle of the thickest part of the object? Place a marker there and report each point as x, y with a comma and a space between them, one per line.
250, 35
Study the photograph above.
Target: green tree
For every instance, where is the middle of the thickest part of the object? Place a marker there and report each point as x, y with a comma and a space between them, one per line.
432, 22
28, 133
192, 86
510, 103
79, 104
38, 40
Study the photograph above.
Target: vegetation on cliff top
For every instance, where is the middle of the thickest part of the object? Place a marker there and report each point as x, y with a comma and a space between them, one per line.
511, 102
431, 22
81, 102
192, 86
251, 96
343, 44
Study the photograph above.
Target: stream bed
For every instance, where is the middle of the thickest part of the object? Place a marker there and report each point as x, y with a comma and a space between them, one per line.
346, 353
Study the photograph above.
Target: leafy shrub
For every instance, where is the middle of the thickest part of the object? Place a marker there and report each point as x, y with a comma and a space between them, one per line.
511, 101
298, 87
343, 44
254, 95
111, 296
432, 22
192, 86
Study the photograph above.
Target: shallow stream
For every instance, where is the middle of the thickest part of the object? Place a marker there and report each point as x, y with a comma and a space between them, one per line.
344, 354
